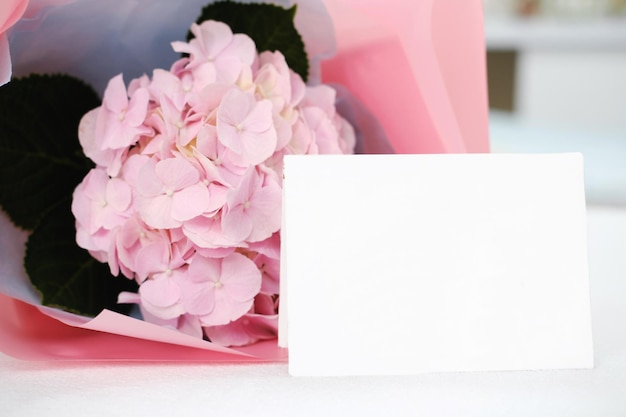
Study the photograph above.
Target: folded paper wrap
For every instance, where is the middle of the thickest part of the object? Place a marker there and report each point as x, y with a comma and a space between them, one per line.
419, 66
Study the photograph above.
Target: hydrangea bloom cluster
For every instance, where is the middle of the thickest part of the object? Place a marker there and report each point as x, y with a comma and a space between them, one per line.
186, 194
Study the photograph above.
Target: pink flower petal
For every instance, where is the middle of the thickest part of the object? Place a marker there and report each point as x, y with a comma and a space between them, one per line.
270, 272
227, 309
233, 282
189, 324
176, 173
212, 37
190, 202
269, 247
206, 232
246, 127
247, 330
202, 270
265, 212
118, 194
160, 292
240, 277
161, 298
197, 299
115, 98
147, 182
236, 225
136, 112
153, 257
157, 212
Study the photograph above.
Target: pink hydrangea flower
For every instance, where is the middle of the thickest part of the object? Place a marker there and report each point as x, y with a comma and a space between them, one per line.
170, 193
130, 238
253, 209
246, 127
186, 194
215, 50
161, 297
219, 291
111, 159
101, 202
277, 83
120, 120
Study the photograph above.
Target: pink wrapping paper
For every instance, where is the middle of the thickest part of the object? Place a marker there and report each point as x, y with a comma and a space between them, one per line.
418, 66
28, 333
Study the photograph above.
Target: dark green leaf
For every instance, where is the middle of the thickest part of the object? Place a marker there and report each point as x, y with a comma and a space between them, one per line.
41, 161
67, 276
271, 27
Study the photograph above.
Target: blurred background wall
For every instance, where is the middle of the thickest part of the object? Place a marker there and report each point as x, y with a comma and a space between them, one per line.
557, 82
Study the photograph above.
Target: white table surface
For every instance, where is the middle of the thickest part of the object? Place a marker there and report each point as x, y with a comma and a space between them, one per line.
166, 389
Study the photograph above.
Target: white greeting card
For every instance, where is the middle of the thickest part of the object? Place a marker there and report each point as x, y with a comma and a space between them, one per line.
402, 264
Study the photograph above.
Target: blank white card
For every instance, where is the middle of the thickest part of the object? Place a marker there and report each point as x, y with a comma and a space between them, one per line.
403, 264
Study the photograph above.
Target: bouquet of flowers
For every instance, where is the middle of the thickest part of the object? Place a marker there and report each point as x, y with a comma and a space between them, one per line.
181, 194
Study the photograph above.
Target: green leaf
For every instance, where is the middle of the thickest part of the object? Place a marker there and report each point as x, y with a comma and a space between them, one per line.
271, 27
41, 160
67, 276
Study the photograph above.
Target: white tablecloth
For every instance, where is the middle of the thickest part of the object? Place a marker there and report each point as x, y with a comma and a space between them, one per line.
167, 389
